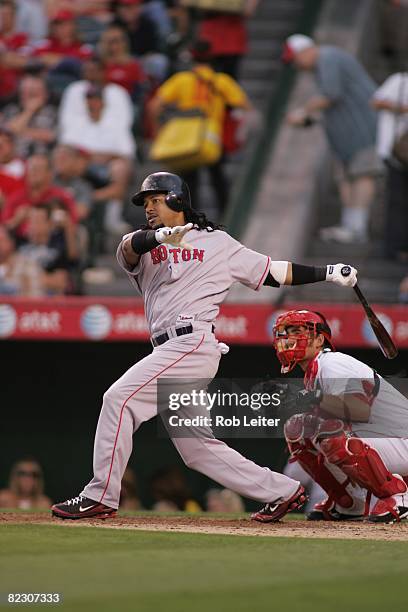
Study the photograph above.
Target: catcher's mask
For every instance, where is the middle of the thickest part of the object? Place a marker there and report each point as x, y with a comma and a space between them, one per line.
291, 347
175, 189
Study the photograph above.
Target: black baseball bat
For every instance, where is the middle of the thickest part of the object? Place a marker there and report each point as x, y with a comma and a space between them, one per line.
385, 341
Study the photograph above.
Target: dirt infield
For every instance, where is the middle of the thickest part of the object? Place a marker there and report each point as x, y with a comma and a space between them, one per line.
223, 526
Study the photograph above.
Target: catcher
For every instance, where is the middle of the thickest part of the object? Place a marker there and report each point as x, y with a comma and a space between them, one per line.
351, 433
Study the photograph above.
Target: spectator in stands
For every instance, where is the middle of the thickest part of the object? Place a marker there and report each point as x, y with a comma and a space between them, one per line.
227, 35
111, 148
118, 106
63, 41
345, 90
33, 119
63, 52
391, 101
12, 168
18, 274
170, 491
202, 88
13, 43
32, 19
144, 36
224, 501
70, 165
129, 499
52, 244
158, 12
120, 67
26, 487
38, 189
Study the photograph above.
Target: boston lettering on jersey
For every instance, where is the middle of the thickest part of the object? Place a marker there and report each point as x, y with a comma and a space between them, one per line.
175, 254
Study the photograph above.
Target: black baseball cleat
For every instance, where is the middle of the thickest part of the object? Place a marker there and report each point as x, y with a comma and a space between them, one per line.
80, 508
388, 511
274, 511
326, 511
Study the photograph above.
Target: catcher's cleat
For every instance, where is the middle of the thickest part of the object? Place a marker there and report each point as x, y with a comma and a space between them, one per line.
326, 511
274, 511
387, 510
82, 508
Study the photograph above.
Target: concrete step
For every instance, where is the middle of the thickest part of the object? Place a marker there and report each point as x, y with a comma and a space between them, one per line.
259, 68
266, 48
274, 9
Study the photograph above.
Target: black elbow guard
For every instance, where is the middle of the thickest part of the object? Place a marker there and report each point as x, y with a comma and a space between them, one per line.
144, 241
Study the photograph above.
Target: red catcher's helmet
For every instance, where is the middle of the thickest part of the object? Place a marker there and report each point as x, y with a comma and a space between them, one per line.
291, 349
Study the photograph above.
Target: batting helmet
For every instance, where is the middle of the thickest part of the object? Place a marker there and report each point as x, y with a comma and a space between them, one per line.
291, 348
176, 190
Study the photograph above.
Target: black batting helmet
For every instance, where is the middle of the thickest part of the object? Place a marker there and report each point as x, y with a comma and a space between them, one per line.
176, 190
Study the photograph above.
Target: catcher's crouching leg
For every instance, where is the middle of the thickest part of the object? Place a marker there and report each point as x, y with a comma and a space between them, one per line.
300, 430
364, 466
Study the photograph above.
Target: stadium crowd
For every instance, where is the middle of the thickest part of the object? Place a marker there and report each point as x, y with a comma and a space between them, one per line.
77, 79
84, 85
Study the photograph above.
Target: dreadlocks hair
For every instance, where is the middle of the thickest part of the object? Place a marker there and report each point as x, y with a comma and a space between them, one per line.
200, 221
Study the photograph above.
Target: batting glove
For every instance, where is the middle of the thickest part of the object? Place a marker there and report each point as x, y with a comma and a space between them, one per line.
343, 275
174, 235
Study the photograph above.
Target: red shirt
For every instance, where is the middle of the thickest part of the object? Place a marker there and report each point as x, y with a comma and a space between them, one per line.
226, 33
23, 198
52, 45
127, 75
9, 76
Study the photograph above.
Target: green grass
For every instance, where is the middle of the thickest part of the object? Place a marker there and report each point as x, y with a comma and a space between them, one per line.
98, 569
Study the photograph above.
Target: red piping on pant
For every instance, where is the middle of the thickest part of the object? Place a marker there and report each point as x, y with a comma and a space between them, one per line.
130, 397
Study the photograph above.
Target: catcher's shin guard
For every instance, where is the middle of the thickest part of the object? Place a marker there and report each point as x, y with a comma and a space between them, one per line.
299, 432
363, 465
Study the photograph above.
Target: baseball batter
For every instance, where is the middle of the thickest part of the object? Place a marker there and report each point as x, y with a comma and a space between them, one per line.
352, 433
183, 285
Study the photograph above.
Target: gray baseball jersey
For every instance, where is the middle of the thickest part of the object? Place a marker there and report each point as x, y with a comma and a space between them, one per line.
181, 286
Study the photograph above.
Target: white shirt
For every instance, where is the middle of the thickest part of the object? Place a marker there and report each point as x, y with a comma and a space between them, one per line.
111, 134
391, 125
117, 102
338, 374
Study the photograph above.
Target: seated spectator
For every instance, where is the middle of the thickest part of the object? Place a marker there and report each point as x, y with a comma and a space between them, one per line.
129, 499
224, 501
170, 491
144, 36
210, 92
63, 42
26, 487
227, 36
120, 67
70, 164
157, 11
33, 119
118, 105
10, 163
52, 244
111, 148
18, 274
12, 168
391, 102
38, 189
12, 43
32, 19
